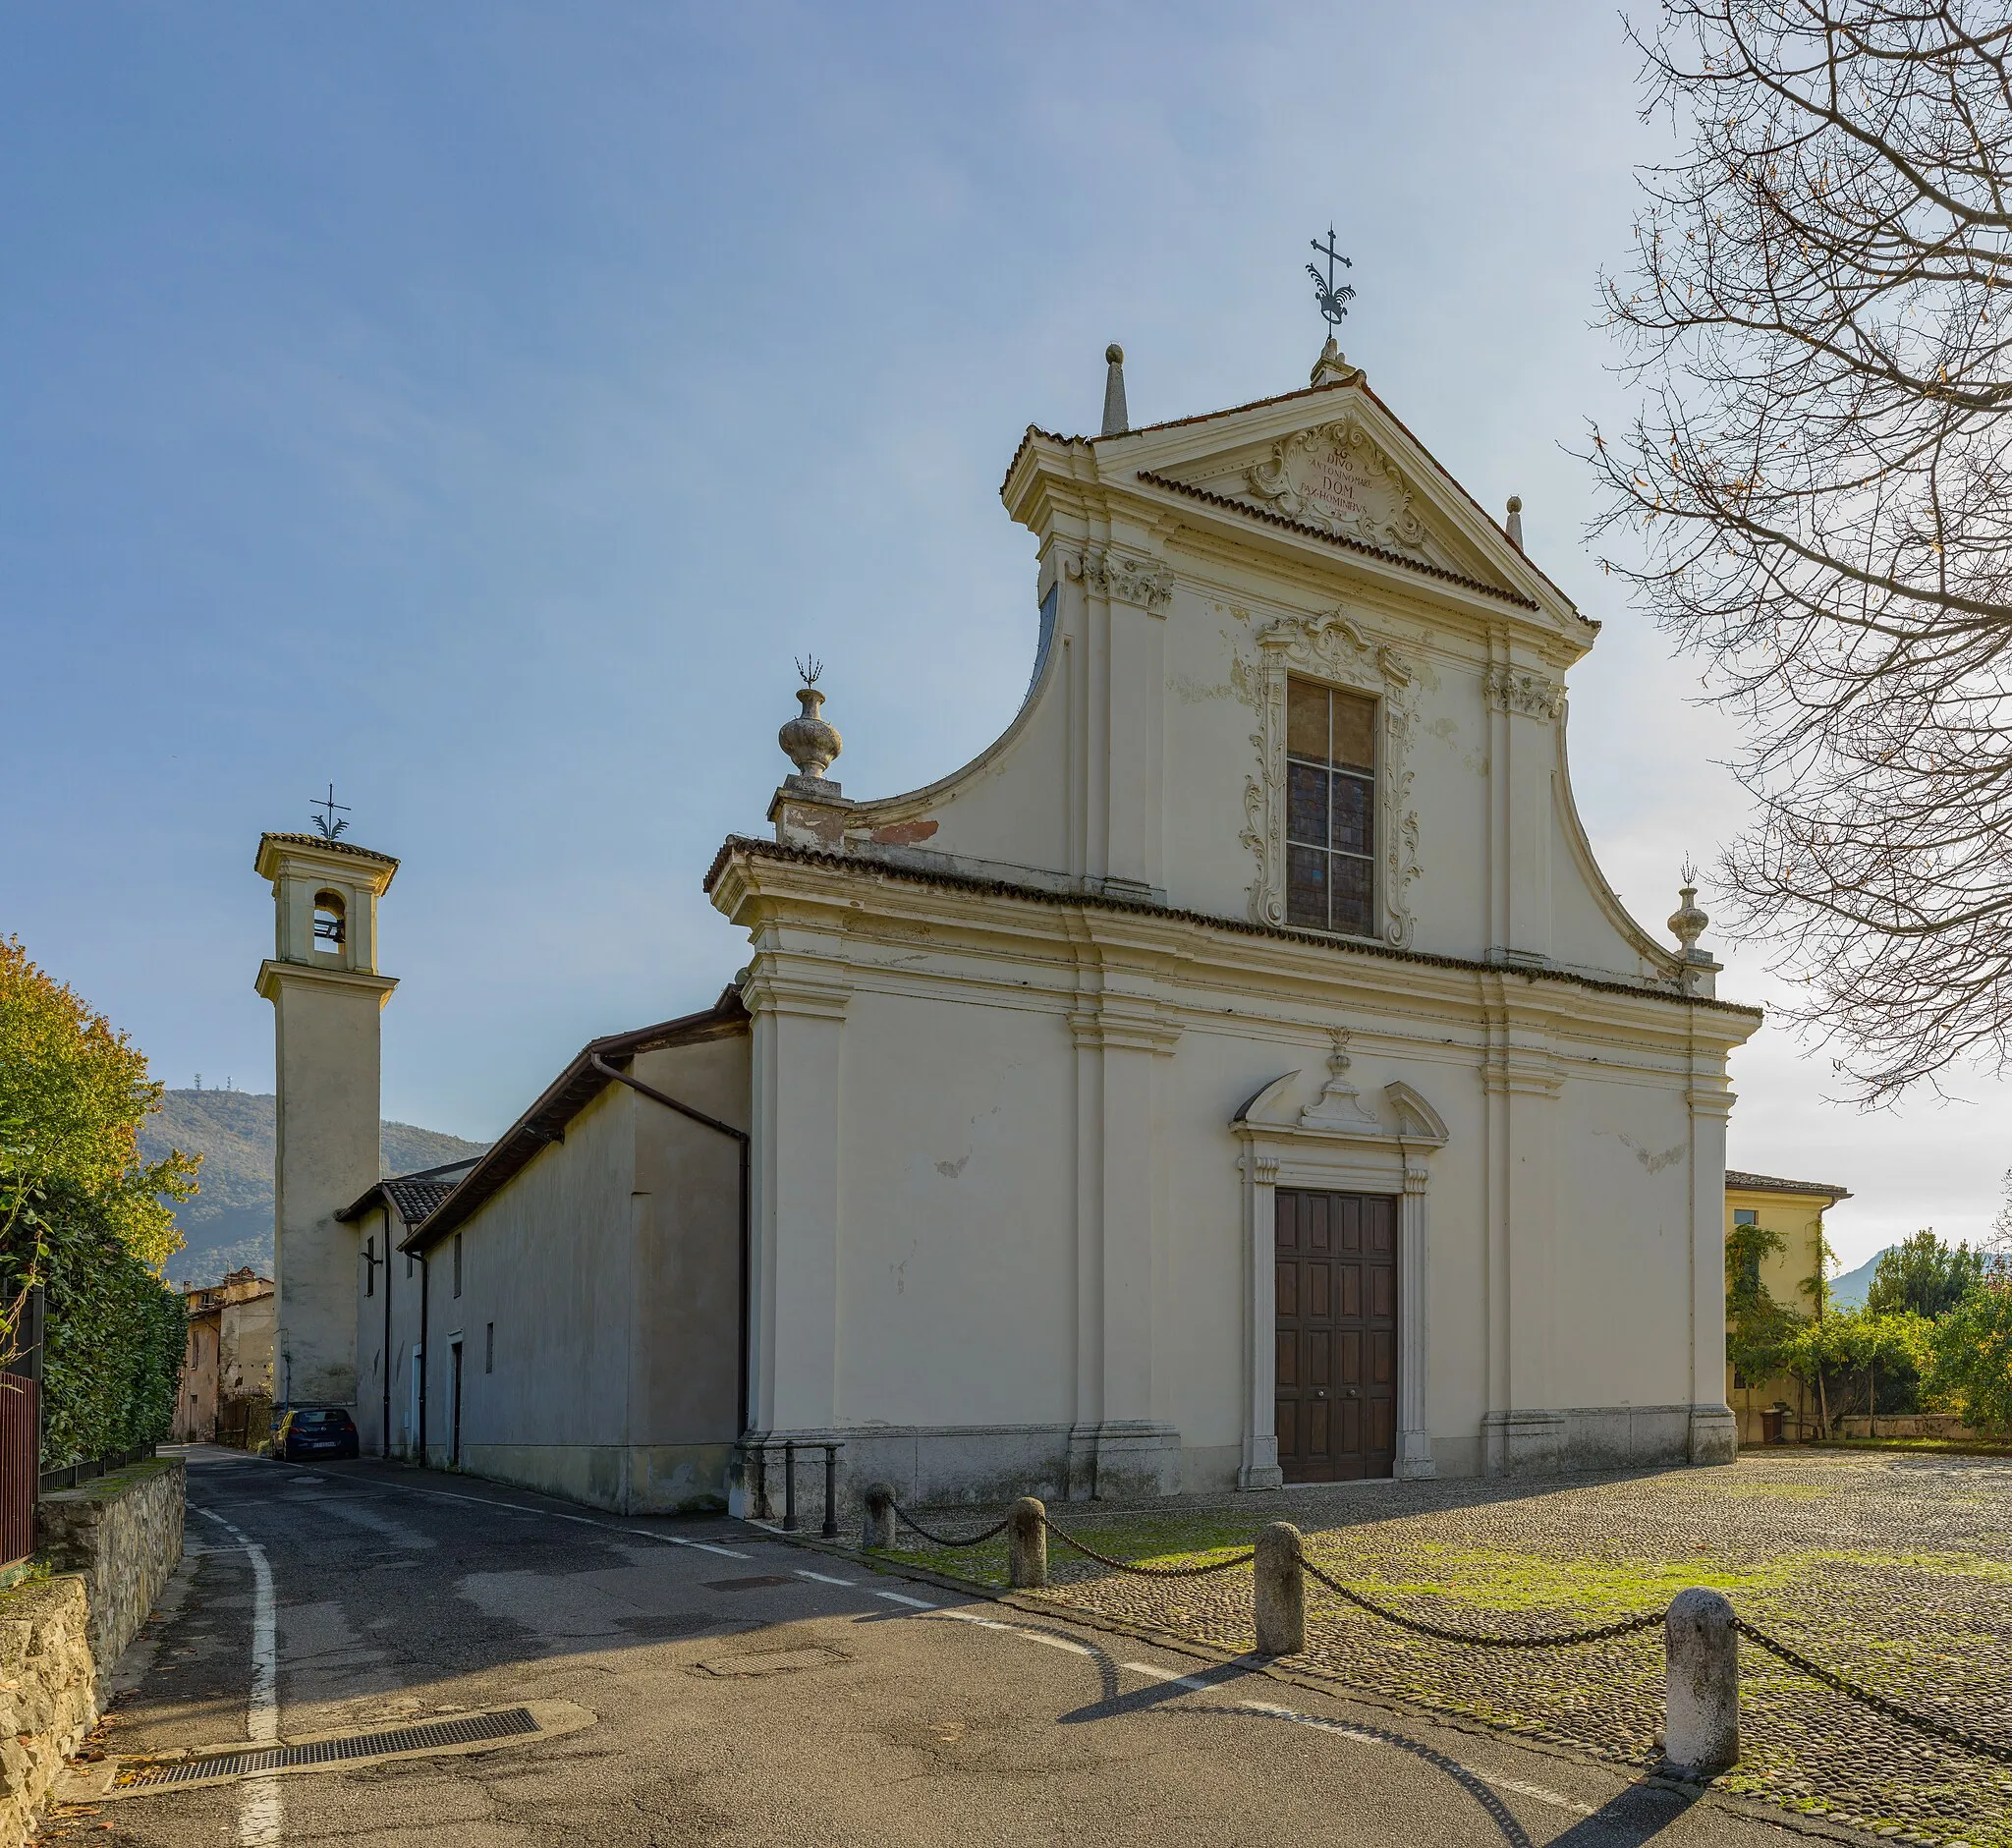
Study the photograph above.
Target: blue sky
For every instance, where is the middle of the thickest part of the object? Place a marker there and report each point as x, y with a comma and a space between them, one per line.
479, 405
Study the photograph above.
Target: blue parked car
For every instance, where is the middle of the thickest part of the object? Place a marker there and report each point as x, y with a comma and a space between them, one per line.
314, 1430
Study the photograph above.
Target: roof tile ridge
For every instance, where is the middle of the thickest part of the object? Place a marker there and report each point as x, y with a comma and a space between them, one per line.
1337, 539
1104, 901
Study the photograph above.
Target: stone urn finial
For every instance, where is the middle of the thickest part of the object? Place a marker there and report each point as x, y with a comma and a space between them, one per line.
808, 740
1687, 923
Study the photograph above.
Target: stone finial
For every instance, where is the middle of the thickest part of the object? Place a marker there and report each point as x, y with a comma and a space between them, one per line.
1117, 420
1687, 923
1332, 366
808, 740
1514, 524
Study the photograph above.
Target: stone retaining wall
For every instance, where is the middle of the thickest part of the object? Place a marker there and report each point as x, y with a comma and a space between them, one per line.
111, 1545
48, 1695
121, 1535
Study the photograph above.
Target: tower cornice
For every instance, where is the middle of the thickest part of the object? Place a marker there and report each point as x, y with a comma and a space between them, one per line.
274, 972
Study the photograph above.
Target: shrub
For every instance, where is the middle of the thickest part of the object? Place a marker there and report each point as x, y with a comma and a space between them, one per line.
1973, 1354
113, 1336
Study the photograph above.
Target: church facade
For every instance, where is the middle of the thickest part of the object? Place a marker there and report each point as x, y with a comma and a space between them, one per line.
1240, 1073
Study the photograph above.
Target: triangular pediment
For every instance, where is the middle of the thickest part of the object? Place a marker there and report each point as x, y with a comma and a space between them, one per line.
1332, 461
1337, 476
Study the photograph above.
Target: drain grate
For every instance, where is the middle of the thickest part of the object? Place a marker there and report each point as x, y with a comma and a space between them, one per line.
512, 1723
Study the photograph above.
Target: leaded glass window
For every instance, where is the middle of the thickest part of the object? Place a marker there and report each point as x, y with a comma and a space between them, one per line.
1330, 827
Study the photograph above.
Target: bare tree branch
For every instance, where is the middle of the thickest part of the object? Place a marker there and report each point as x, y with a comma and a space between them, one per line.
1818, 317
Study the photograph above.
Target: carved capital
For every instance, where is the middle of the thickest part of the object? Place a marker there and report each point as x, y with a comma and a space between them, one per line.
1142, 581
1513, 690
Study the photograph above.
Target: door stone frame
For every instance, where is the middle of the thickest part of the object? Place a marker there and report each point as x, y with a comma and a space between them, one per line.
1334, 1145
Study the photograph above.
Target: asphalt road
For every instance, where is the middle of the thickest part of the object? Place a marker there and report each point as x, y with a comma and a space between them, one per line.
732, 1689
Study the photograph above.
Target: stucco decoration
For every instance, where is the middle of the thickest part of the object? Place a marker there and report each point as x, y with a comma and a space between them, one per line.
1142, 581
1511, 690
1339, 1105
1337, 478
1332, 649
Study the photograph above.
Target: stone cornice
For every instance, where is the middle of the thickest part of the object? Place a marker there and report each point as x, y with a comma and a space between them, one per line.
273, 974
749, 873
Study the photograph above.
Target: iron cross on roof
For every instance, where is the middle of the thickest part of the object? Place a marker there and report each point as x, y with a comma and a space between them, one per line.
1334, 301
330, 827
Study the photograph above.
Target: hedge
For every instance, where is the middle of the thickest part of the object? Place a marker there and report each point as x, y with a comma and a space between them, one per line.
113, 1336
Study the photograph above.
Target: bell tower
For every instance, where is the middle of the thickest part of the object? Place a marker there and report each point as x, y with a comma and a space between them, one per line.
326, 995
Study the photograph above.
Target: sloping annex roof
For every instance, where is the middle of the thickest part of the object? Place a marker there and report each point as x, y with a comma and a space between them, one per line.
557, 1105
411, 1195
1737, 1181
872, 868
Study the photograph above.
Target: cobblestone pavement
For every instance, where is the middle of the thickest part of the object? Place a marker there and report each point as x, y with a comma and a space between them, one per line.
1894, 1570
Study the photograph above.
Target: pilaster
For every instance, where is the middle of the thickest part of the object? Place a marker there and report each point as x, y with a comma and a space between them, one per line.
799, 1009
1119, 1443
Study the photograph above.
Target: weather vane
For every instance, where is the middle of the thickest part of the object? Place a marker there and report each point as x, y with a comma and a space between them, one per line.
330, 827
1334, 301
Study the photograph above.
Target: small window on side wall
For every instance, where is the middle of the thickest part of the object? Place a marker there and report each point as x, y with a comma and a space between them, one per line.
1330, 829
331, 921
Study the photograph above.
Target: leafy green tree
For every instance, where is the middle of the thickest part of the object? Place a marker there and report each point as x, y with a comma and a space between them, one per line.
1856, 1357
1924, 1275
73, 1093
1973, 1354
112, 1335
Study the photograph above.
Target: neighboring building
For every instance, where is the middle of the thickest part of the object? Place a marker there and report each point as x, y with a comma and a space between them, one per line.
1794, 1211
579, 1291
226, 1392
1240, 1073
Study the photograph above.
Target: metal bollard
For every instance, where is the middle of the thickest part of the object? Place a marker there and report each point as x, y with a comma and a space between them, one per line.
877, 1528
1027, 1545
829, 1531
1278, 1593
1700, 1732
789, 1523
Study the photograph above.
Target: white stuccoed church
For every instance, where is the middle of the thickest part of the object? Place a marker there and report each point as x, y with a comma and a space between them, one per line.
1240, 1073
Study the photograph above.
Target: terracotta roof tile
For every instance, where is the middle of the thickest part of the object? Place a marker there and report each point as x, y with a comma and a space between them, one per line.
333, 847
1737, 1181
1334, 538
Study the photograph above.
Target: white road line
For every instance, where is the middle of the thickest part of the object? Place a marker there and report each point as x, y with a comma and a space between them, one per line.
259, 1802
1494, 1780
914, 1603
552, 1514
1169, 1677
1042, 1637
1269, 1708
824, 1578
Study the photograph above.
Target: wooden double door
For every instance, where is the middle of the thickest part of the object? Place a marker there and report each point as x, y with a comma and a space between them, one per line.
1338, 1335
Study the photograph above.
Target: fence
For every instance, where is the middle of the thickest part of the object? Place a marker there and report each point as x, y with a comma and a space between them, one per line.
90, 1468
1700, 1629
20, 1429
756, 1460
